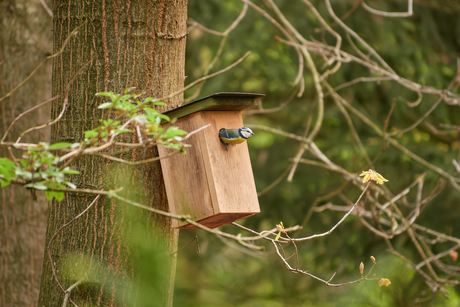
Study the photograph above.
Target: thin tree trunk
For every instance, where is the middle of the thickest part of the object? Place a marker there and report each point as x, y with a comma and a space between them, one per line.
25, 40
127, 44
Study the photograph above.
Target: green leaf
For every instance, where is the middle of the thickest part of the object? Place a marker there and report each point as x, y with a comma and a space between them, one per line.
37, 185
105, 94
124, 131
151, 111
141, 119
148, 100
23, 173
277, 236
165, 117
90, 133
60, 145
6, 175
58, 195
71, 185
174, 131
7, 169
49, 195
4, 183
159, 103
129, 89
106, 105
5, 162
69, 171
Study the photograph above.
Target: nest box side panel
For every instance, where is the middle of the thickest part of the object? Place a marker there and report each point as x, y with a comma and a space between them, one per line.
230, 177
185, 175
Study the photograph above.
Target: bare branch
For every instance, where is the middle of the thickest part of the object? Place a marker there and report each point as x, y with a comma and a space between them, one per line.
389, 14
26, 112
48, 248
421, 119
74, 32
64, 107
362, 79
46, 7
219, 51
339, 222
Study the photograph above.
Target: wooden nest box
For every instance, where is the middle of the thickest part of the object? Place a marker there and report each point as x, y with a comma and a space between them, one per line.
213, 186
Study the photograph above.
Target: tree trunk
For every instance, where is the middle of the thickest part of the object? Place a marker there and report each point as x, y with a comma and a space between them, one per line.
25, 40
127, 44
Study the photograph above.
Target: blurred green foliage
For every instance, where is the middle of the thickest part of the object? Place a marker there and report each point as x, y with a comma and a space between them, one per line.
422, 48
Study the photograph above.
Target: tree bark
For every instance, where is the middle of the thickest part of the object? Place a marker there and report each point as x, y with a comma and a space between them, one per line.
25, 40
126, 44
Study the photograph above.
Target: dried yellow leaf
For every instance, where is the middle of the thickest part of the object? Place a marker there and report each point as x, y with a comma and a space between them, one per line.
384, 282
372, 175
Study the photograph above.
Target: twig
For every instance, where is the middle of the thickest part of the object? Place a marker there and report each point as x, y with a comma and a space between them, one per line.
362, 79
48, 248
274, 183
135, 162
389, 14
64, 107
414, 125
197, 245
338, 223
67, 293
219, 51
271, 110
46, 7
353, 33
337, 44
192, 83
46, 59
415, 103
26, 112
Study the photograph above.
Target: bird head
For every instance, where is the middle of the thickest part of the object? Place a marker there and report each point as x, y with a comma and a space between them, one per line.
245, 132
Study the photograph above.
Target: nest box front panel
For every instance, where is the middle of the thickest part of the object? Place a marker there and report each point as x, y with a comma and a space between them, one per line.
214, 186
185, 175
232, 178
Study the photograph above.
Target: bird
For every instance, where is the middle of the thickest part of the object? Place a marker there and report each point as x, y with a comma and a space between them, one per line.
234, 136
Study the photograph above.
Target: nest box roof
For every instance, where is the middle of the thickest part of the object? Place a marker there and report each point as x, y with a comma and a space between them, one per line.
216, 102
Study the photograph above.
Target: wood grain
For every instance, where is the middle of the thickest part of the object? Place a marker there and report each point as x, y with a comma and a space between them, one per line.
212, 185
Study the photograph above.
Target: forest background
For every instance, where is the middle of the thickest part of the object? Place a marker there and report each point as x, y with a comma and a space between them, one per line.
423, 48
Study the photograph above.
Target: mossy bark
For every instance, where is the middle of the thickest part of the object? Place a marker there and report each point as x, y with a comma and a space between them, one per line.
127, 44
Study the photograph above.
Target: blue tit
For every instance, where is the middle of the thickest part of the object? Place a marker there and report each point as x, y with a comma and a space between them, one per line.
234, 136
